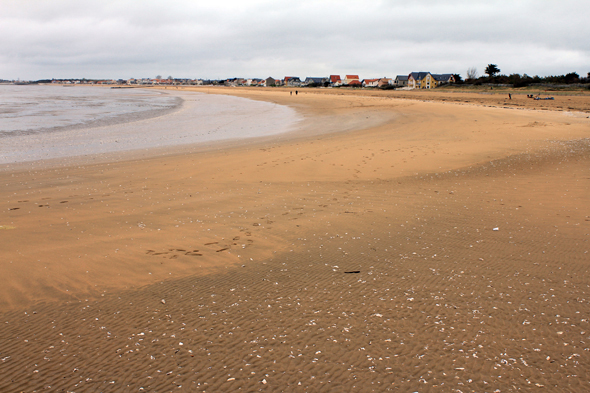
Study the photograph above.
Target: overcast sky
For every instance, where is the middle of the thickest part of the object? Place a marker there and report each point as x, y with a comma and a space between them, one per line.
260, 38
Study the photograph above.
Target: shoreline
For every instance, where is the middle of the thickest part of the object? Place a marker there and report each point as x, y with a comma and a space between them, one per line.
442, 243
138, 115
200, 121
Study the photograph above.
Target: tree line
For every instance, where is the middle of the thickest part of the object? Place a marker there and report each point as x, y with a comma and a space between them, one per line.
493, 76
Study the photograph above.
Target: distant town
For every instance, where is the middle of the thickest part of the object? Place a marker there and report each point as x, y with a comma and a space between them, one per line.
413, 80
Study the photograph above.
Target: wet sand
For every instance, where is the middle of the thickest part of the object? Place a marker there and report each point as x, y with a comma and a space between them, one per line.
148, 121
387, 244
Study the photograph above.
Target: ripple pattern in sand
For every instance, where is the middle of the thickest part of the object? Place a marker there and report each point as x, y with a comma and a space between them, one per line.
441, 302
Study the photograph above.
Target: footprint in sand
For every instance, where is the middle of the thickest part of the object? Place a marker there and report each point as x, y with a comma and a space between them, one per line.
176, 252
214, 243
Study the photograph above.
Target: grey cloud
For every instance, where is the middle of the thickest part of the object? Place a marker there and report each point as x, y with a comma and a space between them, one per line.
257, 38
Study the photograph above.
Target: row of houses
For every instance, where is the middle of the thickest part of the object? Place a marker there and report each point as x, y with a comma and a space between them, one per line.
426, 80
331, 81
414, 80
131, 81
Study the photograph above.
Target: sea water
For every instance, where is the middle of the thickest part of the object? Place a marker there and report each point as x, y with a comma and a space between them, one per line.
45, 122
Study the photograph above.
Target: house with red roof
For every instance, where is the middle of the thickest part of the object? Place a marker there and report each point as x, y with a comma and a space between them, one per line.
385, 82
335, 80
370, 82
351, 78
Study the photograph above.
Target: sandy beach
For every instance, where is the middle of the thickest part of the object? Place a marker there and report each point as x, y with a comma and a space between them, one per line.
393, 241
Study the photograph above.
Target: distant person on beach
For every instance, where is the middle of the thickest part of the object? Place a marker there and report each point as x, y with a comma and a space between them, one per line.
295, 92
291, 93
509, 96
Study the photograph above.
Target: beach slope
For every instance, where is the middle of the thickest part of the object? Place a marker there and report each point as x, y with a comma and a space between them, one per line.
386, 244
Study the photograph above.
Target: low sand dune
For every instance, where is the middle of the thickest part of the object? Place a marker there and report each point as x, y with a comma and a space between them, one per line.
386, 244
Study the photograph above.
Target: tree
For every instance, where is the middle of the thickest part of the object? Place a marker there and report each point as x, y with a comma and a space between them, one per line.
472, 73
492, 70
519, 81
458, 78
572, 77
